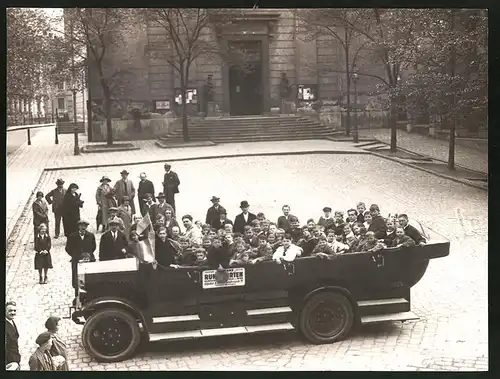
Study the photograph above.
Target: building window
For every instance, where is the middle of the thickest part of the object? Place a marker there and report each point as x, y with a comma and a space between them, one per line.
60, 86
61, 103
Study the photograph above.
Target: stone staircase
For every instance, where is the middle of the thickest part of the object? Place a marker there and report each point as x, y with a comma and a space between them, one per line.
250, 128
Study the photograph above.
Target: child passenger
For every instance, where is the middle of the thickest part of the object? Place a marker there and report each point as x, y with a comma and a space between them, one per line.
307, 242
264, 250
323, 249
288, 252
201, 257
402, 240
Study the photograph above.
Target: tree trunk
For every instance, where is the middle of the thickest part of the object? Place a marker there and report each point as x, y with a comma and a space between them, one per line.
393, 125
451, 146
348, 114
185, 131
107, 111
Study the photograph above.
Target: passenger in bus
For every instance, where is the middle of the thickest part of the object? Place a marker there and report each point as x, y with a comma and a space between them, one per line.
369, 243
273, 228
184, 243
361, 207
136, 220
198, 224
410, 230
284, 220
256, 228
165, 254
170, 222
265, 227
193, 233
271, 239
323, 249
188, 256
230, 245
295, 230
238, 237
206, 242
222, 221
159, 222
352, 217
217, 254
390, 233
175, 233
212, 233
221, 233
261, 216
307, 243
228, 228
201, 257
241, 259
142, 253
402, 240
348, 235
338, 246
367, 216
326, 220
280, 233
319, 231
250, 238
311, 225
205, 228
378, 223
288, 252
264, 249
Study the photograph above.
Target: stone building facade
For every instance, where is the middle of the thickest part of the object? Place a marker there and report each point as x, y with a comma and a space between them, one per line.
280, 46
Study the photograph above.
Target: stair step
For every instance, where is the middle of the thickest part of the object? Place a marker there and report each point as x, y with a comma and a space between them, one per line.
398, 316
220, 332
371, 303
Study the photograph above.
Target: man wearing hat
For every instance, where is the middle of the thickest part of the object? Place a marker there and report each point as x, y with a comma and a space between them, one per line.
244, 218
113, 244
41, 359
80, 246
102, 199
327, 221
125, 187
213, 213
113, 213
160, 207
56, 197
170, 184
145, 186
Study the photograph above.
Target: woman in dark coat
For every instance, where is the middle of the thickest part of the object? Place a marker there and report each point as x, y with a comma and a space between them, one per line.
58, 346
43, 259
40, 213
71, 209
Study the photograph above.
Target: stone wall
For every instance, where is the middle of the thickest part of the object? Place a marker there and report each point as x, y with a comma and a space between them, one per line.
124, 130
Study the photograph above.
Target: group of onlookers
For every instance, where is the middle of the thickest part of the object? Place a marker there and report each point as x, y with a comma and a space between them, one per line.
51, 353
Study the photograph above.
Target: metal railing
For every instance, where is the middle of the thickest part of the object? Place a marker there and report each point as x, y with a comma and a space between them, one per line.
35, 126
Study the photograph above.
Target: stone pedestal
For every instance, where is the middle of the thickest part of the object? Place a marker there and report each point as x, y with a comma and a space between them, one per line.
211, 109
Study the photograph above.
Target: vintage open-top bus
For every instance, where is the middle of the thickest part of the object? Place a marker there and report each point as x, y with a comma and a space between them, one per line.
322, 299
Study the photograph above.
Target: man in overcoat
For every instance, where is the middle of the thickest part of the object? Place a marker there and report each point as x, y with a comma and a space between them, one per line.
244, 218
171, 184
12, 354
214, 212
161, 207
125, 187
80, 246
113, 244
145, 186
56, 197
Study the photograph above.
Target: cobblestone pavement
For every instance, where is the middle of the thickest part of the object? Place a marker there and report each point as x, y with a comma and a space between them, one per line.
435, 148
451, 299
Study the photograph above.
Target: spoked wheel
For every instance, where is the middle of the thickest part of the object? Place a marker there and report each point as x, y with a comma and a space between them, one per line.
111, 335
326, 317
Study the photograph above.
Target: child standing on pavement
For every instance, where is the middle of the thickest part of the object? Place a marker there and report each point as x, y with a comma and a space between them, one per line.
43, 259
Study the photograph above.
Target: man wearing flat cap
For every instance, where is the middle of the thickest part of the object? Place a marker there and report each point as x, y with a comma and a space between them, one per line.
213, 213
113, 244
171, 184
56, 197
160, 207
113, 214
244, 218
327, 221
80, 246
125, 187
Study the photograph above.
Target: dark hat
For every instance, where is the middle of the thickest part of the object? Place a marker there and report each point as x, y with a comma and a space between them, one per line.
167, 165
215, 198
59, 182
126, 198
160, 196
43, 338
124, 172
327, 209
51, 322
114, 221
105, 178
82, 222
244, 204
39, 193
113, 209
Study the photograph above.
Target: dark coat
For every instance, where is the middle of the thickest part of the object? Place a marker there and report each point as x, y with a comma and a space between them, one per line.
220, 225
158, 209
296, 234
414, 234
56, 198
173, 222
284, 222
327, 223
378, 226
71, 213
40, 213
171, 183
145, 187
239, 222
338, 228
11, 343
307, 246
164, 252
42, 260
109, 248
406, 241
76, 247
388, 238
361, 217
213, 215
218, 256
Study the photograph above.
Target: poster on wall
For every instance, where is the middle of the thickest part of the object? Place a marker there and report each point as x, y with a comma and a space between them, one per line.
191, 96
307, 92
162, 105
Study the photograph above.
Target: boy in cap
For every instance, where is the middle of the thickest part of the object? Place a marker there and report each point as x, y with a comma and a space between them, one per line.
125, 187
55, 198
244, 218
214, 213
326, 220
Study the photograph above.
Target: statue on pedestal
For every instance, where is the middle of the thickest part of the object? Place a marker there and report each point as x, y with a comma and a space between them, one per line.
208, 95
285, 91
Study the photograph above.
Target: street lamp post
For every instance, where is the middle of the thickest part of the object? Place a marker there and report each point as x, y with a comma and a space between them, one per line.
355, 78
76, 151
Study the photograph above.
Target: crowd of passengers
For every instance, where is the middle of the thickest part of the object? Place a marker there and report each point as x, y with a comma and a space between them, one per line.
251, 239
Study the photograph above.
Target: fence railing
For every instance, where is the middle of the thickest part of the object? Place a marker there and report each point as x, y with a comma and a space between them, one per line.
34, 126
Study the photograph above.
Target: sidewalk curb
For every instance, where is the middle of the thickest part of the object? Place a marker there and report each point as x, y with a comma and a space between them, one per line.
462, 181
187, 159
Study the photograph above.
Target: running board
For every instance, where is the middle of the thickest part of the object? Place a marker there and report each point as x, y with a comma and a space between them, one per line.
191, 334
399, 316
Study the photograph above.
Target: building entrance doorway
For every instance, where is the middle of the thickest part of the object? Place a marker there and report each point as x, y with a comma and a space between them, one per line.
245, 78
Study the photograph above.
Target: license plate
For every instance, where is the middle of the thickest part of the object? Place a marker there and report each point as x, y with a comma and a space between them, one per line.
231, 277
